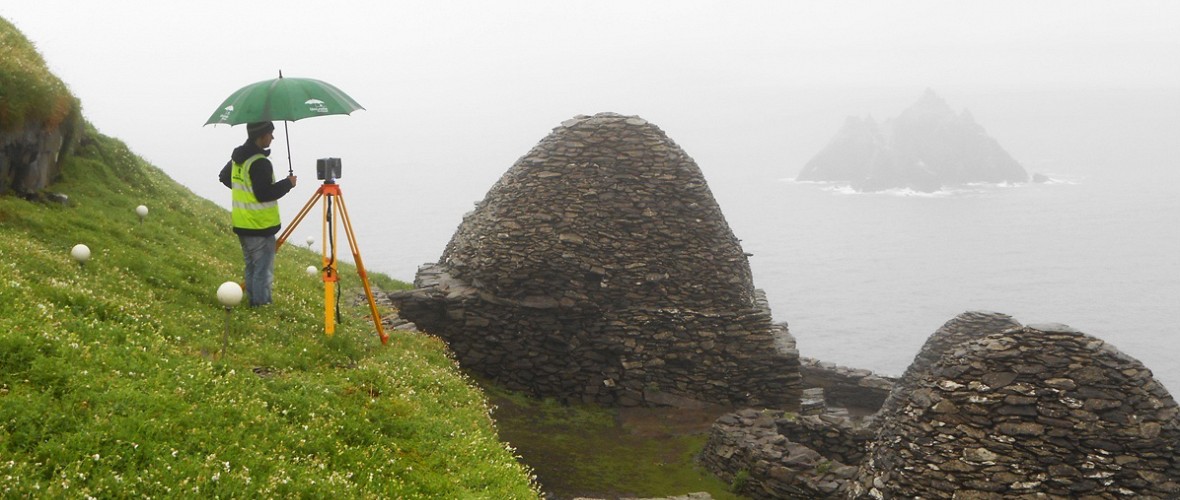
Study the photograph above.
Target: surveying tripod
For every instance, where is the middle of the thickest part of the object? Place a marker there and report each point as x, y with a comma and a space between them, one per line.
330, 191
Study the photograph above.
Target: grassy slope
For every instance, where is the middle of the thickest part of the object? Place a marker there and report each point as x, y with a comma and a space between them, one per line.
111, 383
29, 93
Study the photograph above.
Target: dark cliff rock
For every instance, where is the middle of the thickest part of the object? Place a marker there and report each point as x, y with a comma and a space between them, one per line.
927, 147
30, 159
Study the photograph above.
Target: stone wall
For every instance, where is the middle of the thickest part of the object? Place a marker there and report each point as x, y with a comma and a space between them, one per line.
968, 326
839, 437
600, 268
624, 358
747, 450
989, 409
857, 389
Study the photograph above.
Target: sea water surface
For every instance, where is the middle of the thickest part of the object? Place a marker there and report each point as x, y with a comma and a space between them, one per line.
864, 278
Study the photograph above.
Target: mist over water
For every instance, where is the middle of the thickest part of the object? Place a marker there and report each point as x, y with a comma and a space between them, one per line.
864, 279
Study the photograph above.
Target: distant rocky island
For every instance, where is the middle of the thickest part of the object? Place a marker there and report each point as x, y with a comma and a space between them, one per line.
928, 147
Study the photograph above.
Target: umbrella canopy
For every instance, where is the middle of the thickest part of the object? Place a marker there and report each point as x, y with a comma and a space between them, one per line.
283, 99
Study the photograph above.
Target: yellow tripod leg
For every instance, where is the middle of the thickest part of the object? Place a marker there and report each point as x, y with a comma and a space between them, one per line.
329, 300
330, 275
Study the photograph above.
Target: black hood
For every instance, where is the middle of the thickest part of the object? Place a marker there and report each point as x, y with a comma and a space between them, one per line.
245, 151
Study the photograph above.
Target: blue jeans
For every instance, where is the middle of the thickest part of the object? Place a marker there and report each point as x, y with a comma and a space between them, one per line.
259, 252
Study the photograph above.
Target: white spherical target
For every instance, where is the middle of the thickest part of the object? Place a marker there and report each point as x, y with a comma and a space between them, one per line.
310, 240
229, 294
80, 253
141, 211
312, 270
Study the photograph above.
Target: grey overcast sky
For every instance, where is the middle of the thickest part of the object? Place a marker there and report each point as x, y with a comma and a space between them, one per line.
462, 81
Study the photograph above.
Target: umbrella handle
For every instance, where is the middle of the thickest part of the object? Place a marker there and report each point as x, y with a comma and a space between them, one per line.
287, 138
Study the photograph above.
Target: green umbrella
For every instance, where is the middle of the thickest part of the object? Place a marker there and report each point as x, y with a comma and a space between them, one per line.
283, 99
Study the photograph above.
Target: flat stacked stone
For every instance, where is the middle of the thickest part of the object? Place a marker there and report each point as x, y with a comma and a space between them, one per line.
846, 387
834, 435
965, 327
605, 210
1039, 410
747, 450
600, 268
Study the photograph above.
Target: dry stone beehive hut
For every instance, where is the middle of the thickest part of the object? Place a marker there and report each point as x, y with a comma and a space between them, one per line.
989, 409
600, 268
1042, 409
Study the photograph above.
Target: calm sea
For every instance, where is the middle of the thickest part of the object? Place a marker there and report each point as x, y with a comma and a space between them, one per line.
864, 279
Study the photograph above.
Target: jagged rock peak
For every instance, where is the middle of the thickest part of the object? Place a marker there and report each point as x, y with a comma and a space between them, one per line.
928, 146
930, 103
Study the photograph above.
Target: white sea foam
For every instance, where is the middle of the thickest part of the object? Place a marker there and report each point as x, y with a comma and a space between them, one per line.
912, 193
1063, 179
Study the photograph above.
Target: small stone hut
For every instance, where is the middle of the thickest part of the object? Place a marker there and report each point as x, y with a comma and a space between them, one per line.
989, 409
1037, 410
600, 268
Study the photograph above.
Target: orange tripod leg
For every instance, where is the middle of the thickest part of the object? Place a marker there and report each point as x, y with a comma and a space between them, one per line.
298, 218
360, 268
329, 191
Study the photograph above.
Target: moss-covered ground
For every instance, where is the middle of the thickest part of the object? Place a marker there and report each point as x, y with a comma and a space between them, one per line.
586, 451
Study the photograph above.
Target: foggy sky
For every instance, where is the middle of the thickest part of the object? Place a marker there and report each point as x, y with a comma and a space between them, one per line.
458, 82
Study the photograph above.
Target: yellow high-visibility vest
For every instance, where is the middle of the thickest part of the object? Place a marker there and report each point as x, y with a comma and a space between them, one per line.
248, 212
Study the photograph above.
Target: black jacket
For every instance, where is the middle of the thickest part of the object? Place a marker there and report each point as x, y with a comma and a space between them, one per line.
261, 173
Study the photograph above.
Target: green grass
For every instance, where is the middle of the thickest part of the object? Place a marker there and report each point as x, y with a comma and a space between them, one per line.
29, 93
579, 450
112, 383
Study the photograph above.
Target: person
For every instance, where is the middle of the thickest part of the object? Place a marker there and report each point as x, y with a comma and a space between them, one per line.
250, 176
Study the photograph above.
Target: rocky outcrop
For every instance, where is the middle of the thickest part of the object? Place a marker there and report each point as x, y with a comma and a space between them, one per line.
30, 159
927, 147
600, 268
